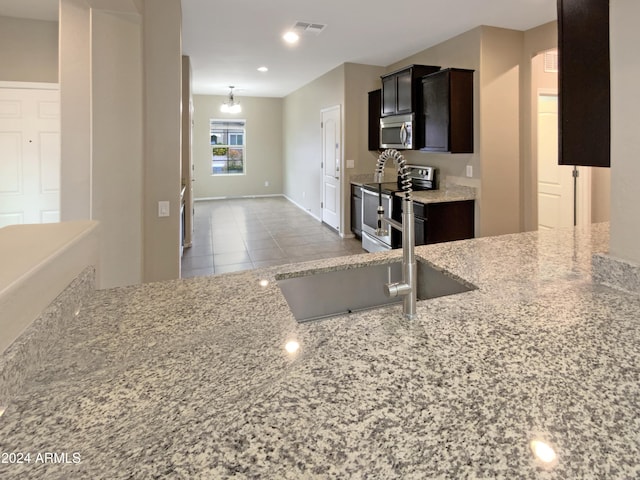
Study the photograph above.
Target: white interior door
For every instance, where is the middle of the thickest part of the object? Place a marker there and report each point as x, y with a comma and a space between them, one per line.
331, 166
29, 155
555, 182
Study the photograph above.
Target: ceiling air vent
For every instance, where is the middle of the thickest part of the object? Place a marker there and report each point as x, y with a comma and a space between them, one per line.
551, 61
308, 27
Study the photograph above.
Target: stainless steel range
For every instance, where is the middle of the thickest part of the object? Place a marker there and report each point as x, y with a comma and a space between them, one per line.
422, 178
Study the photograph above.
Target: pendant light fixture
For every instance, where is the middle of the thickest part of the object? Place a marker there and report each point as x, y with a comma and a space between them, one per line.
231, 106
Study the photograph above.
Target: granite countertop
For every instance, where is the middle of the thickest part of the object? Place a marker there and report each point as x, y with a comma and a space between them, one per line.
190, 379
451, 193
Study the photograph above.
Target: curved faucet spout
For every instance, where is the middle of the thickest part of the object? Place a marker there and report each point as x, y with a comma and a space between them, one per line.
408, 287
401, 167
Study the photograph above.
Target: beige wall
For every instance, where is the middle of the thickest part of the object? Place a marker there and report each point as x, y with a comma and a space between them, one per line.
116, 113
75, 114
495, 55
162, 86
625, 125
359, 81
28, 50
302, 144
347, 86
600, 194
501, 53
504, 170
462, 51
101, 98
106, 96
263, 149
536, 40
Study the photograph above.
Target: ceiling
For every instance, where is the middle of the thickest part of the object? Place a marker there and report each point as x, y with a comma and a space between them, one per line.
35, 9
228, 41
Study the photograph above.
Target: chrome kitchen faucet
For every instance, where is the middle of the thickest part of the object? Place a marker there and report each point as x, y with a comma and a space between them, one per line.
408, 287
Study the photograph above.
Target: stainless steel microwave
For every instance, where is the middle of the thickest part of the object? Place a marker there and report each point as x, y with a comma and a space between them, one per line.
396, 131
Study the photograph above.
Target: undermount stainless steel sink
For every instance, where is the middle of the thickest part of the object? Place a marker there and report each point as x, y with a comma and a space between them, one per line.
327, 294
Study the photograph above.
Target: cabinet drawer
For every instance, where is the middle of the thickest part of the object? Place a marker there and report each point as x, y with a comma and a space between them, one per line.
419, 209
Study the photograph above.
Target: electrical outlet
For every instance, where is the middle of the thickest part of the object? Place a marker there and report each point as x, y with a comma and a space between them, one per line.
266, 183
163, 209
469, 171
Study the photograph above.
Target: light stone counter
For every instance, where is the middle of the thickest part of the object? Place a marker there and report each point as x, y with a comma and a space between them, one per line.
190, 379
451, 193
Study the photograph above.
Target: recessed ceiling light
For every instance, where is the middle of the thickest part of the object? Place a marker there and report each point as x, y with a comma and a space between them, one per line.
263, 69
291, 37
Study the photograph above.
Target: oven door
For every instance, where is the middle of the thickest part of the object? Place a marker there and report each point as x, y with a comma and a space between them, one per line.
371, 244
370, 216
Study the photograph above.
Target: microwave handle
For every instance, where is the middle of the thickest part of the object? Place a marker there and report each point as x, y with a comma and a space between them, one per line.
403, 133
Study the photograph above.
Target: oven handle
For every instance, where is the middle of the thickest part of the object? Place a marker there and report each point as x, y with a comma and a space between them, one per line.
386, 196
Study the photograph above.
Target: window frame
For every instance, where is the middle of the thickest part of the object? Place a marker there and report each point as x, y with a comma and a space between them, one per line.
231, 129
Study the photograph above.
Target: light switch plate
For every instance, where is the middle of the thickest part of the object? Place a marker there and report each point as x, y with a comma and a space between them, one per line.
163, 209
469, 171
351, 163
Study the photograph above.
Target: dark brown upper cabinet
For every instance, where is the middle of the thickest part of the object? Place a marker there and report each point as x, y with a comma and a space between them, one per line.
584, 85
374, 119
400, 89
447, 111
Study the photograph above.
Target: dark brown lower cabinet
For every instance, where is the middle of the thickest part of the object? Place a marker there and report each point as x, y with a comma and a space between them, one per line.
444, 222
356, 210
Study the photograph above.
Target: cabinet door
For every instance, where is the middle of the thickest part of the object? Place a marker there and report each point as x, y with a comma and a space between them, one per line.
461, 111
404, 92
435, 97
374, 119
447, 111
356, 210
584, 84
389, 95
449, 221
420, 226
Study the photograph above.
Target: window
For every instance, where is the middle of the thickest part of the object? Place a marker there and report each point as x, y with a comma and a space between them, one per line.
227, 147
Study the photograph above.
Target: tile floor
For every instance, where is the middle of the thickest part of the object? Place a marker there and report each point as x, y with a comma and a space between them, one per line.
245, 233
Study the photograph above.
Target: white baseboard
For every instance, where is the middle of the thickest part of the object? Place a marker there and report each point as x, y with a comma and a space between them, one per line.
308, 212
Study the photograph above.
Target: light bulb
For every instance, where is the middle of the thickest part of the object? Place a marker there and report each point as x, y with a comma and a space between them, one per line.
291, 37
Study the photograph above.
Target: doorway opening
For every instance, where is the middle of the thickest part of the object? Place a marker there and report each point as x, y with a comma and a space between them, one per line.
563, 192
